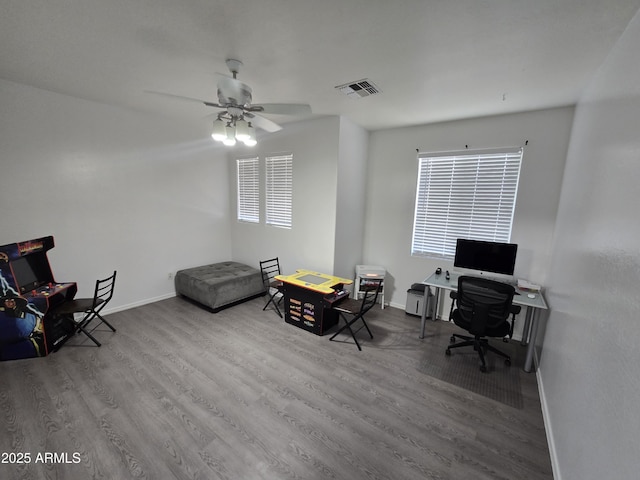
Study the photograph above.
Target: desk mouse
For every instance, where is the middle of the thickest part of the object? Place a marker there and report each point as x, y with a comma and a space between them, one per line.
531, 295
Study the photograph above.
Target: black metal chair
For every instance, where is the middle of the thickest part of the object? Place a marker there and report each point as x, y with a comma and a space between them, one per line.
270, 268
90, 307
357, 308
483, 309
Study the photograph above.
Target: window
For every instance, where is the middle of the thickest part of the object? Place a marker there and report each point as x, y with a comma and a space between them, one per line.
248, 190
279, 190
464, 195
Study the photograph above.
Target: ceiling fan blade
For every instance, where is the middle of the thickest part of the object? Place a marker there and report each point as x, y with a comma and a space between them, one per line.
262, 122
282, 108
180, 97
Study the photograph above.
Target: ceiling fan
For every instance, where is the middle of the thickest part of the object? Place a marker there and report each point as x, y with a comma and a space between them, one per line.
238, 117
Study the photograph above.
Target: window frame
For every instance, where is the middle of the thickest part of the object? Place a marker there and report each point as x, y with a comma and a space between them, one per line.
248, 190
279, 190
452, 201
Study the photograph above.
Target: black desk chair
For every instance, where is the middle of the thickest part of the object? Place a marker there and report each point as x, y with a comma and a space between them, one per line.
90, 307
270, 268
483, 309
357, 308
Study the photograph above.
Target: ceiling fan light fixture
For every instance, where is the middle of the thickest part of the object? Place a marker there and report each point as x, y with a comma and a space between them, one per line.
242, 130
230, 138
250, 142
219, 132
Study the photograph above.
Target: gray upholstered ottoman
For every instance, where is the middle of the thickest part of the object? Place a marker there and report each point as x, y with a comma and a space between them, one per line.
220, 285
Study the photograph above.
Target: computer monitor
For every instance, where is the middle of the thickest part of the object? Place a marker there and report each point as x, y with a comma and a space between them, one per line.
31, 271
481, 257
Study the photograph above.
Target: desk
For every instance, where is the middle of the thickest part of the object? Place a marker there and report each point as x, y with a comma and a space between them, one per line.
309, 298
533, 307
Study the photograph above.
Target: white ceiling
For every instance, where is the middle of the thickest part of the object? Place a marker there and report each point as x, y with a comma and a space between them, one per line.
434, 60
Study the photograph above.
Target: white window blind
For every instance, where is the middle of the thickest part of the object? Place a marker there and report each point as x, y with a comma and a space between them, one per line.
464, 195
279, 190
248, 190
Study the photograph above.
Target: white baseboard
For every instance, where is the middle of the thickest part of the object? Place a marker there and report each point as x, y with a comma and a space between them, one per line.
140, 303
396, 305
555, 468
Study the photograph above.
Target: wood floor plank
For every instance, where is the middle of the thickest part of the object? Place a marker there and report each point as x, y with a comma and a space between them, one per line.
181, 393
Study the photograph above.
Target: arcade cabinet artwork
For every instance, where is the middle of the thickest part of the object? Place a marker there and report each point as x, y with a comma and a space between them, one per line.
28, 293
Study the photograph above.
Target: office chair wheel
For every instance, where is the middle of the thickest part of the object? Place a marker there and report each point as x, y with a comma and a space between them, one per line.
483, 368
507, 362
452, 339
447, 352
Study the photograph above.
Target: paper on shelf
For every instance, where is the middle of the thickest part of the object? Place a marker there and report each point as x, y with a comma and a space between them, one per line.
527, 285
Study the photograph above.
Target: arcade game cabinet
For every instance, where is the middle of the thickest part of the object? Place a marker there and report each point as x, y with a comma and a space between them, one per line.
309, 298
28, 293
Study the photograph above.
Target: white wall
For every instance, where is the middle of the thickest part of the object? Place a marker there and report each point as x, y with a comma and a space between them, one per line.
392, 177
310, 243
118, 190
351, 185
590, 365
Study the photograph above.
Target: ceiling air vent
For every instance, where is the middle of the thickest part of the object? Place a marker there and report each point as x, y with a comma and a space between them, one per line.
361, 88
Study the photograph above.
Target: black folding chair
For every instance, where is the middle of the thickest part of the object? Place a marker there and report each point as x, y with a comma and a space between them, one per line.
357, 308
90, 307
270, 268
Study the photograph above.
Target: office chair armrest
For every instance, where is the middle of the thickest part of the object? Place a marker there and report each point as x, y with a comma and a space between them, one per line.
453, 295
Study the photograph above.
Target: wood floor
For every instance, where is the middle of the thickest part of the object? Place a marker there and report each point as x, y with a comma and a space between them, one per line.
181, 393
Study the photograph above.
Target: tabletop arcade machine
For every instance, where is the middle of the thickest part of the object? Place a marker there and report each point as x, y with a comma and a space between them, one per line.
28, 294
309, 298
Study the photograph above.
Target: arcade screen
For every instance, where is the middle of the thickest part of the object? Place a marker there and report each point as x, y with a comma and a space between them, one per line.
31, 271
312, 279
